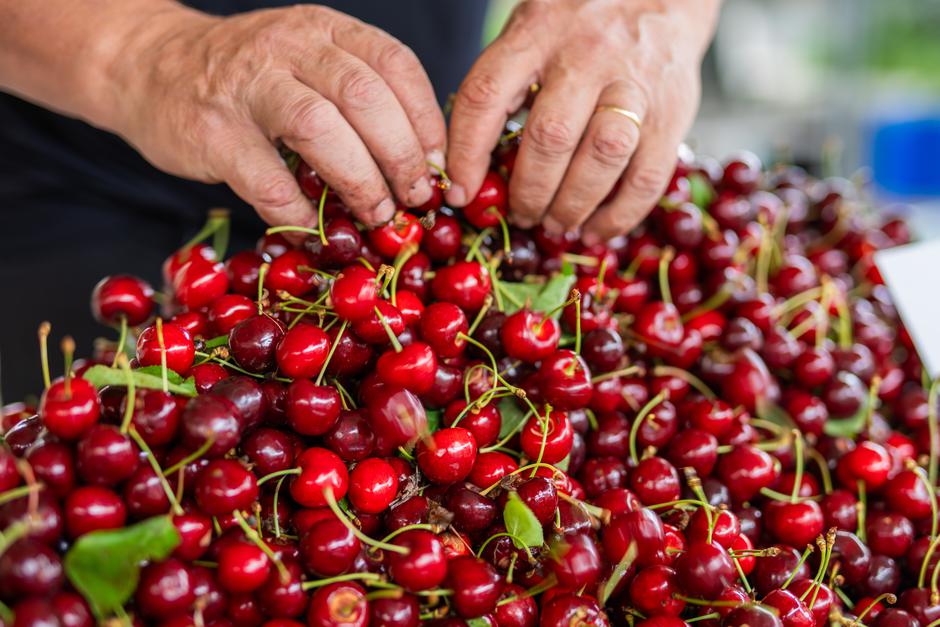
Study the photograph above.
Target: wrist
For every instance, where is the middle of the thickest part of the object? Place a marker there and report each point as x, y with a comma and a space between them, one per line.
116, 67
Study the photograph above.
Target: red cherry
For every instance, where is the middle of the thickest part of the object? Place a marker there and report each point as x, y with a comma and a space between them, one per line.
178, 344
440, 326
312, 409
413, 367
390, 239
243, 272
321, 470
530, 336
448, 456
90, 508
423, 567
174, 262
228, 310
464, 283
796, 524
242, 567
120, 296
198, 282
69, 408
373, 484
489, 204
354, 293
371, 328
302, 351
225, 485
555, 429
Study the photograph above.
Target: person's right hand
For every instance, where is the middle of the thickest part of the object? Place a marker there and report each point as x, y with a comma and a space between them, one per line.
207, 98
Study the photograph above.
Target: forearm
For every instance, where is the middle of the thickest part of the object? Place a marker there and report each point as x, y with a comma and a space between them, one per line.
69, 55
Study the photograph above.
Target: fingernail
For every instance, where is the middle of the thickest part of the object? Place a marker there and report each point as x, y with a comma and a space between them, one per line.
552, 225
437, 160
457, 195
384, 211
590, 238
419, 193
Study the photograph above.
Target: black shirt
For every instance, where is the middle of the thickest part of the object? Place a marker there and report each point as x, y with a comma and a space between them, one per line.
78, 203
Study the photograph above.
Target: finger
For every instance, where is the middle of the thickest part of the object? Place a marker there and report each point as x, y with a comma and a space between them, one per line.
496, 85
556, 123
255, 171
600, 159
401, 69
313, 127
370, 106
644, 182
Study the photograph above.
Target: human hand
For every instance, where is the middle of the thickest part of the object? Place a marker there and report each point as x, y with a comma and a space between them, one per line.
594, 60
206, 98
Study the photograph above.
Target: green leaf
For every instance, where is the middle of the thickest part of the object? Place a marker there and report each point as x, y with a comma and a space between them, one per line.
522, 525
543, 297
512, 416
105, 565
478, 622
701, 190
563, 464
156, 371
100, 376
851, 426
221, 340
434, 419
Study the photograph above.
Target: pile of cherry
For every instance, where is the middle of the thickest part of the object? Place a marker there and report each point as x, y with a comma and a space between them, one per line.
716, 419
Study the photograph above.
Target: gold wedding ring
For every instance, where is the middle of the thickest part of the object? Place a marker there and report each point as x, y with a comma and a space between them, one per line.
630, 115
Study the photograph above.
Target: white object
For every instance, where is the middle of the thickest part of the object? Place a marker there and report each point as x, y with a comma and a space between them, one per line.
911, 274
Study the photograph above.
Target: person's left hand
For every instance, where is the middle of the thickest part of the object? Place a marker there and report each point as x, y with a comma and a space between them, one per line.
597, 61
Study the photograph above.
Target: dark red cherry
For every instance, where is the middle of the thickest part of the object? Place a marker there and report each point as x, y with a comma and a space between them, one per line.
329, 548
575, 560
465, 283
423, 567
548, 438
476, 586
211, 418
90, 508
269, 450
705, 569
29, 568
165, 589
243, 270
225, 485
247, 397
312, 409
253, 342
641, 527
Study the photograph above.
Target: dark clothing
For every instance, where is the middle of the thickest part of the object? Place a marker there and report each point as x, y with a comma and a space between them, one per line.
79, 203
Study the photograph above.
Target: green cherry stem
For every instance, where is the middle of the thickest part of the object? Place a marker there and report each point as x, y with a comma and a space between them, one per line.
334, 506
44, 329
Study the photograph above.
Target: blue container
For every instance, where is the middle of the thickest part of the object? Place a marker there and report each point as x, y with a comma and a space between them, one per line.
905, 157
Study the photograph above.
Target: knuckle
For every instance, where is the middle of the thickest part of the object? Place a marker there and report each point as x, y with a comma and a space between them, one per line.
479, 91
649, 181
310, 119
395, 57
359, 89
273, 192
550, 134
613, 144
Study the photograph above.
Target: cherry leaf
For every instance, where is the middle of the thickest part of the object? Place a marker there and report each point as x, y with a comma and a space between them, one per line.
542, 297
221, 340
851, 426
105, 565
701, 190
100, 376
434, 419
521, 524
512, 416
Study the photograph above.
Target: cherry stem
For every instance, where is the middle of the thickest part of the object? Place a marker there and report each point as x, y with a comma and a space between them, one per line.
445, 180
704, 602
504, 227
618, 573
798, 475
825, 554
861, 506
806, 553
822, 314
741, 575
24, 490
888, 598
477, 242
924, 564
872, 402
278, 473
318, 583
601, 514
388, 330
623, 372
331, 501
275, 504
688, 377
823, 469
339, 335
845, 323
217, 219
930, 492
695, 484
404, 255
635, 263
640, 417
68, 352
517, 471
320, 206
291, 229
932, 429
122, 340
130, 400
487, 304
162, 344
262, 273
547, 426
934, 592
546, 584
258, 541
401, 530
664, 260
573, 297
710, 616
762, 267
197, 454
716, 300
795, 302
152, 460
14, 532
487, 352
26, 471
503, 534
44, 329
577, 322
